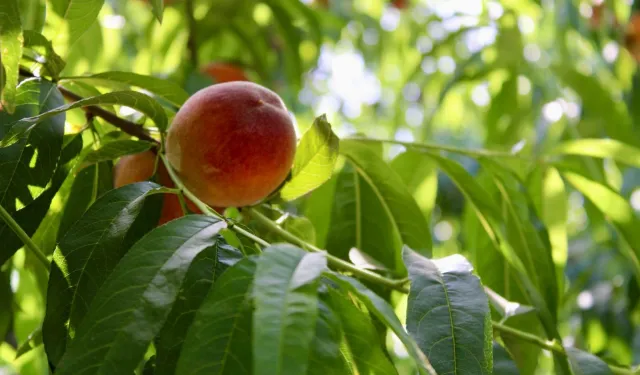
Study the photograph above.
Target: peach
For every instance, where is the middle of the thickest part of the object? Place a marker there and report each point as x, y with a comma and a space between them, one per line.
632, 36
139, 167
400, 4
232, 143
224, 72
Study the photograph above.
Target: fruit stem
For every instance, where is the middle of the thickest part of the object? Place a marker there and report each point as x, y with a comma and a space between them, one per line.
204, 207
437, 147
24, 237
334, 261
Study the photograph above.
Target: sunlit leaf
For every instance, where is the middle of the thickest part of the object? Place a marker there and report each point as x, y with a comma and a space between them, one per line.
445, 294
79, 16
420, 175
286, 309
146, 281
601, 148
52, 62
136, 100
11, 40
164, 88
33, 341
314, 162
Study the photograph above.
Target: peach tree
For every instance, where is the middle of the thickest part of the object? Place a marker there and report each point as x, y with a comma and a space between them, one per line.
159, 216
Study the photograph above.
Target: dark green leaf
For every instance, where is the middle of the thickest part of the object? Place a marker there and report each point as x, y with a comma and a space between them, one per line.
291, 44
11, 40
314, 162
325, 357
164, 88
448, 314
116, 149
204, 271
136, 100
32, 14
48, 57
132, 305
384, 312
87, 254
6, 294
158, 9
286, 308
219, 340
502, 362
583, 363
301, 227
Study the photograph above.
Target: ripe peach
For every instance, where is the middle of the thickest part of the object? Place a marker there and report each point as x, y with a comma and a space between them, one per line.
400, 4
139, 167
232, 143
224, 72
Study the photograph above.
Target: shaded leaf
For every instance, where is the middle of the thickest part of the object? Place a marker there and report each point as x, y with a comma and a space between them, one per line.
314, 162
136, 100
286, 309
33, 341
117, 331
448, 314
164, 88
384, 312
325, 357
158, 9
583, 363
219, 340
502, 362
204, 271
86, 255
53, 63
11, 40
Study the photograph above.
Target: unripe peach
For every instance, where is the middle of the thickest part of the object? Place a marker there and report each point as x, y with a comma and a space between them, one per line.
139, 167
232, 143
224, 72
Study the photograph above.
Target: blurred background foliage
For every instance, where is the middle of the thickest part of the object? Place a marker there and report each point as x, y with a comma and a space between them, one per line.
519, 76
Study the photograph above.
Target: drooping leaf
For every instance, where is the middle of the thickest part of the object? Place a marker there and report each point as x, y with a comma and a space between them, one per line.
420, 175
136, 298
11, 40
164, 88
362, 346
33, 341
219, 340
583, 363
79, 16
448, 314
286, 309
116, 149
87, 254
158, 9
136, 100
601, 148
325, 357
384, 312
616, 209
314, 162
204, 271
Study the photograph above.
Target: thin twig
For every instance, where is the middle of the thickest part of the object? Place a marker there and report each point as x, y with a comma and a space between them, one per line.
24, 237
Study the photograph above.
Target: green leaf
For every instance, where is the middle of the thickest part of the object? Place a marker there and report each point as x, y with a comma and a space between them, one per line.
11, 40
88, 185
361, 344
33, 341
136, 100
206, 268
116, 149
583, 363
601, 148
6, 294
616, 209
286, 309
448, 314
314, 162
399, 206
32, 14
301, 227
87, 254
117, 331
164, 88
325, 357
502, 362
52, 62
292, 67
219, 340
384, 312
420, 175
79, 16
158, 9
